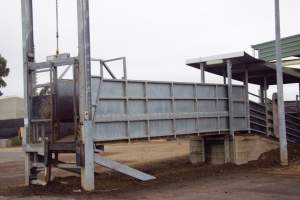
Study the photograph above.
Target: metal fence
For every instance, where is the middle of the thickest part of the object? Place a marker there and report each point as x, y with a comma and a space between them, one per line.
129, 109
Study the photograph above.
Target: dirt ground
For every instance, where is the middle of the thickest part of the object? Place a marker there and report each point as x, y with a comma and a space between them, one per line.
176, 177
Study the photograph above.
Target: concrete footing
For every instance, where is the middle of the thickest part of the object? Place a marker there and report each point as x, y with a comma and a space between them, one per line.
221, 149
197, 150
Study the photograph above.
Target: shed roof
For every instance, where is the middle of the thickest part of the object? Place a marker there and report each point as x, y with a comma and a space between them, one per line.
257, 69
290, 46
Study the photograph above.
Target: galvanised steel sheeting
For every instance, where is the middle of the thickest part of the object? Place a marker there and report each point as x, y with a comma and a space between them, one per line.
129, 109
290, 47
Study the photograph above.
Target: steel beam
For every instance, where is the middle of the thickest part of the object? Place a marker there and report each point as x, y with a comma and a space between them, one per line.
281, 110
85, 103
28, 56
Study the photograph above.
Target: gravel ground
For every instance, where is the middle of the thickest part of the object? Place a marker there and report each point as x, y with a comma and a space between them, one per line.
176, 177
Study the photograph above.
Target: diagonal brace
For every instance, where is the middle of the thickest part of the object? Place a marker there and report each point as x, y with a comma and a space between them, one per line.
124, 169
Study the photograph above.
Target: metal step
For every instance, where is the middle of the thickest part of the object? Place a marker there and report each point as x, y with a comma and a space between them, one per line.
34, 148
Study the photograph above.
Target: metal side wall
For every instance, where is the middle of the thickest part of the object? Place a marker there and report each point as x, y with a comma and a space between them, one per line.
129, 109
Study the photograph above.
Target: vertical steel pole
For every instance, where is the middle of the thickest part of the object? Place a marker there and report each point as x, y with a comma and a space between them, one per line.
85, 102
224, 77
28, 56
265, 95
230, 111
246, 84
202, 72
125, 68
230, 102
281, 111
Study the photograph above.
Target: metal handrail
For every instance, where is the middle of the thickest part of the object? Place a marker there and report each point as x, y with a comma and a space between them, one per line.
260, 97
103, 63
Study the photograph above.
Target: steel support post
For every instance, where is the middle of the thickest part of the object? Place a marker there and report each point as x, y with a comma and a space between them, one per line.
124, 68
261, 94
224, 77
266, 104
230, 114
281, 111
202, 72
28, 55
246, 84
85, 102
230, 101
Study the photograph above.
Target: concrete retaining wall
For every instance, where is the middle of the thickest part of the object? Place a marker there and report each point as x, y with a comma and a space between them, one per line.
224, 149
249, 148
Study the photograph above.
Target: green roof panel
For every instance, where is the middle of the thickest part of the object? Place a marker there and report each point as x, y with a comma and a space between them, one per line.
290, 47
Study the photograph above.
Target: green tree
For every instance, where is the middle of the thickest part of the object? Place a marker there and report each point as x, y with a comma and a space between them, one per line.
4, 71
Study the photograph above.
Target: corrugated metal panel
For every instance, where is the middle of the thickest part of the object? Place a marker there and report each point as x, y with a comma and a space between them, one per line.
290, 47
143, 109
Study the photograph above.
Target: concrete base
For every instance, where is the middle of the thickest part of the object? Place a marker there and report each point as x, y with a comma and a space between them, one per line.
5, 143
222, 149
249, 148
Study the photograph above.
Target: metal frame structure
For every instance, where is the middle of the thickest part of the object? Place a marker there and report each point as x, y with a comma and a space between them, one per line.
84, 91
121, 109
166, 108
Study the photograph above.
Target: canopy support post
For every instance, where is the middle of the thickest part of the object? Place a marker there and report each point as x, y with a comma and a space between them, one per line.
202, 72
230, 102
281, 110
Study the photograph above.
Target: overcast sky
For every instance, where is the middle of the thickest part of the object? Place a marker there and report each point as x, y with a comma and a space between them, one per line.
156, 36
